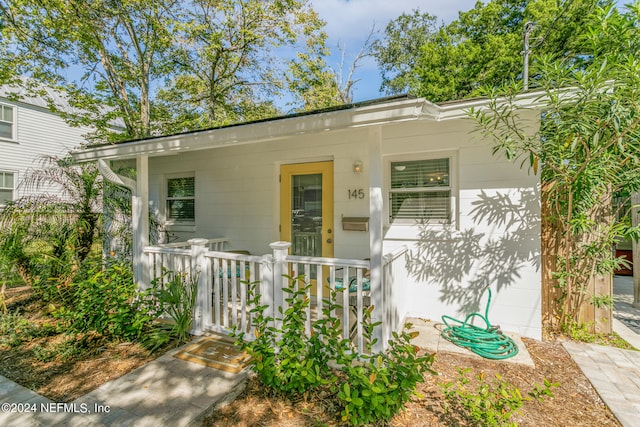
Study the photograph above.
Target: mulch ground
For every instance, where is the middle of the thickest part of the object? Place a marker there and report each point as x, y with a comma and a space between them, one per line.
89, 362
574, 401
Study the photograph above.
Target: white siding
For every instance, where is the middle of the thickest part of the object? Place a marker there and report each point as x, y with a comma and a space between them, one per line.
39, 132
237, 188
495, 241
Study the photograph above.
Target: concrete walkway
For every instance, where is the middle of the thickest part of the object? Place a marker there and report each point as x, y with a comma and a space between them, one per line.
613, 372
165, 392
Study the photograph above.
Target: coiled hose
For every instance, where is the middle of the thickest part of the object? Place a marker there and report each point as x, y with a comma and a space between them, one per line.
489, 342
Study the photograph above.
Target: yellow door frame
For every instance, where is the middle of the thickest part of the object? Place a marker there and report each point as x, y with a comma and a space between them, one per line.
286, 173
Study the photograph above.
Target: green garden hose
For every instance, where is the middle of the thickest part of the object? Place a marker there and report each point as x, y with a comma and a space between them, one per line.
489, 342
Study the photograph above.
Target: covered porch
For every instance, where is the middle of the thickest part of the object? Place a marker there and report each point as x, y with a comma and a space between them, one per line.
223, 302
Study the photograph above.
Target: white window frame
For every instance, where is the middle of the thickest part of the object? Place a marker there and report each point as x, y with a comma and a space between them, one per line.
177, 224
13, 122
13, 189
452, 188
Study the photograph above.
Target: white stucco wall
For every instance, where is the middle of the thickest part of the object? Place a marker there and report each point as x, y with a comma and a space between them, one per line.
495, 240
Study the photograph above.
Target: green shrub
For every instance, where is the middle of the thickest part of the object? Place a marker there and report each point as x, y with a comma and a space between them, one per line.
299, 364
371, 387
489, 403
14, 256
103, 300
176, 300
377, 386
64, 351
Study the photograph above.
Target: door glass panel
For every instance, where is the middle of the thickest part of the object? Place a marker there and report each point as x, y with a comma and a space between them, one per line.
306, 215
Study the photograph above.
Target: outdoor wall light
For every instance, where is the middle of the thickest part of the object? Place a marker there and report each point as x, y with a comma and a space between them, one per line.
357, 167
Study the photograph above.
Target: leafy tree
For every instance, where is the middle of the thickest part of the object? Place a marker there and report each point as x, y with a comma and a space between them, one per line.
159, 66
228, 68
483, 47
588, 148
313, 83
397, 54
121, 46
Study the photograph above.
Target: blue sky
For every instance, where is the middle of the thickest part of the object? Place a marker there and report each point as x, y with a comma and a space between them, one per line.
350, 21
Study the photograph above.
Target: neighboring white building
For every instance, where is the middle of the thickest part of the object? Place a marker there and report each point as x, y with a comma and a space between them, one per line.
357, 182
28, 131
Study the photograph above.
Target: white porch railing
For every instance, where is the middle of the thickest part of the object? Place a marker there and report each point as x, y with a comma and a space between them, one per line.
223, 303
217, 244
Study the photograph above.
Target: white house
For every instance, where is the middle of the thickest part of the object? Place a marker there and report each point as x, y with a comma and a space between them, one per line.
28, 131
357, 182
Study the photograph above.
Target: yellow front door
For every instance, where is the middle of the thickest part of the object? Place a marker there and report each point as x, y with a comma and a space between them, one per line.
306, 208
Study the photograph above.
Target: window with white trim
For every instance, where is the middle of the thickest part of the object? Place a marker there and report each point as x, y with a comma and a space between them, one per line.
6, 187
181, 199
421, 190
6, 121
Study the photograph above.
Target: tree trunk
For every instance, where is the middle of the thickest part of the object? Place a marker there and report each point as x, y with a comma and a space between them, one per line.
635, 220
556, 302
551, 241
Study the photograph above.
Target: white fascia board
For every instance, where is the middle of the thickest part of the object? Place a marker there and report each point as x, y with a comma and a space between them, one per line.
460, 110
269, 130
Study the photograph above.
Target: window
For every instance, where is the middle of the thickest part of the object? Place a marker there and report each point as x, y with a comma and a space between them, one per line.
421, 190
6, 121
6, 187
181, 199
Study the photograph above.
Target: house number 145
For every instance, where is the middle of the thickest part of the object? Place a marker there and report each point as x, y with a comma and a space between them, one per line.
356, 193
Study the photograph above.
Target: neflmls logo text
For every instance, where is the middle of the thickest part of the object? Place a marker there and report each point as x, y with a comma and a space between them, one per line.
72, 408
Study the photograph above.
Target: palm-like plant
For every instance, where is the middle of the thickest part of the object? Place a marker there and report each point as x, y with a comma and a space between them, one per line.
62, 208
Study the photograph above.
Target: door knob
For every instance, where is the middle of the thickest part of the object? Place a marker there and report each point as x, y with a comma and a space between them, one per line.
329, 241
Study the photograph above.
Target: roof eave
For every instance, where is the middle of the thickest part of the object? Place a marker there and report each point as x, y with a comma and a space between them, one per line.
462, 109
271, 130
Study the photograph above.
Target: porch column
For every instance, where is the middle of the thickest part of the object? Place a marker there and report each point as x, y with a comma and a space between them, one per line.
200, 270
635, 220
280, 251
140, 222
376, 207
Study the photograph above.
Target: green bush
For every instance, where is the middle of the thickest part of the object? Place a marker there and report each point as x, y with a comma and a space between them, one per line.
488, 403
64, 351
299, 364
378, 386
370, 387
103, 300
175, 300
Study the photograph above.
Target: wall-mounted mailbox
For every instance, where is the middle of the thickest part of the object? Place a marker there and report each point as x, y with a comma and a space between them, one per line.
355, 223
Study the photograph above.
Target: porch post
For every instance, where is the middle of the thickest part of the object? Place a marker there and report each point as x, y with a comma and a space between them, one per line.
635, 220
280, 251
376, 206
140, 222
199, 270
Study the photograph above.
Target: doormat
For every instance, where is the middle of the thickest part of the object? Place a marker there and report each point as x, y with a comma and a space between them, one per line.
215, 353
